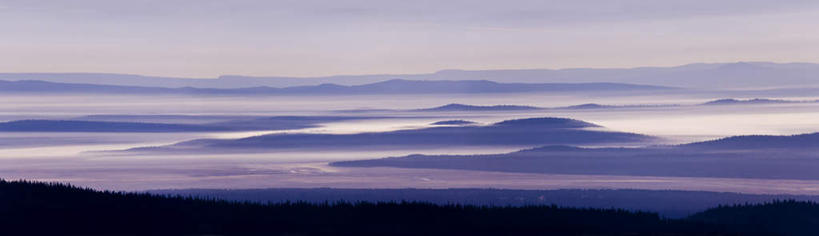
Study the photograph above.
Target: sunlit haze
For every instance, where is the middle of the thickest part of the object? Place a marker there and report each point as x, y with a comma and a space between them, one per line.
209, 38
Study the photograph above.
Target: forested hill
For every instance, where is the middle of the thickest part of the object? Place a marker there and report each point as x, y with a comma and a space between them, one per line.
31, 208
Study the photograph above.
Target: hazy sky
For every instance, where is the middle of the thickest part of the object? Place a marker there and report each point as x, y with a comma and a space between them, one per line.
207, 38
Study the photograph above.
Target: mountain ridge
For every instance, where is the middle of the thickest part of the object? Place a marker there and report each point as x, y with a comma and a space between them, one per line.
466, 107
395, 86
694, 75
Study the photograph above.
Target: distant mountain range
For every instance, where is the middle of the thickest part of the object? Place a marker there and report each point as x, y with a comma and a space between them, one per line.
386, 87
453, 107
162, 123
457, 107
464, 107
100, 126
591, 106
700, 75
755, 101
766, 157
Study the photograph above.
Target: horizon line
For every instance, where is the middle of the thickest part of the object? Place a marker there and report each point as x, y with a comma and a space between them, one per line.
404, 74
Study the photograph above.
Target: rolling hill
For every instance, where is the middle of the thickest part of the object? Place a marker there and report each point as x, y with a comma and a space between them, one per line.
763, 157
516, 133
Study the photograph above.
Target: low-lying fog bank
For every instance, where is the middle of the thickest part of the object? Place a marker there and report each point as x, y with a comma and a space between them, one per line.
71, 157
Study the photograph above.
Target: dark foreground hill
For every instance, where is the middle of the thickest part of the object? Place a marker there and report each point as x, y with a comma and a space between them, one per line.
668, 203
782, 217
54, 209
37, 208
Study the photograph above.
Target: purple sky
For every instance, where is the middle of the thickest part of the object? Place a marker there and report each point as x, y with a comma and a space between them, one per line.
207, 38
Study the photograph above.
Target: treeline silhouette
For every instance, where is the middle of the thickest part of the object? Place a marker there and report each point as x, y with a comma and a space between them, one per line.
667, 203
783, 217
30, 208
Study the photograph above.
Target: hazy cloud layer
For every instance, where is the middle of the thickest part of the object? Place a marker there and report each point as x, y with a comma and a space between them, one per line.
207, 38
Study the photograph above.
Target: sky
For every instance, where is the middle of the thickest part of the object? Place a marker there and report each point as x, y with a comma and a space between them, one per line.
208, 38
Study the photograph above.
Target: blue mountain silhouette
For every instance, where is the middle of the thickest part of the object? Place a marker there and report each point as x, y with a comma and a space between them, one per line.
768, 157
396, 86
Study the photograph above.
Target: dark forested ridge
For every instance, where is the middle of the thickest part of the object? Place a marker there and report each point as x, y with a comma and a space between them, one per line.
783, 217
668, 203
39, 208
